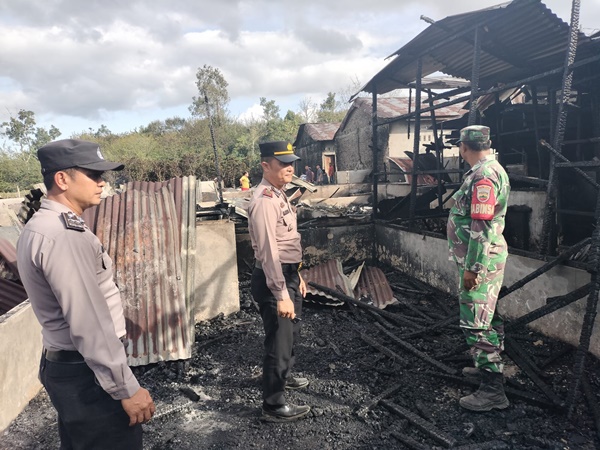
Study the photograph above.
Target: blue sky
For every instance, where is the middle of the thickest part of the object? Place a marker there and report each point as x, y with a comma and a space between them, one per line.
79, 65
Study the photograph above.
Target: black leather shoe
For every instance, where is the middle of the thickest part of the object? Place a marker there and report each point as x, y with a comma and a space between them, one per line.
285, 413
296, 383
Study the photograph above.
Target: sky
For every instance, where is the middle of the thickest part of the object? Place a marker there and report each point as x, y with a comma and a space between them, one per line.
79, 64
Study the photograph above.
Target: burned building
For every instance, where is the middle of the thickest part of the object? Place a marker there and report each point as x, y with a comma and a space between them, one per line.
315, 145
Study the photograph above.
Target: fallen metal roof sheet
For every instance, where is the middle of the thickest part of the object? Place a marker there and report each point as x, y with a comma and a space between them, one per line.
149, 232
8, 261
521, 38
373, 284
12, 293
331, 275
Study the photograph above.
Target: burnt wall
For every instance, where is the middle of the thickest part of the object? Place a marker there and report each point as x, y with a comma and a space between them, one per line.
345, 242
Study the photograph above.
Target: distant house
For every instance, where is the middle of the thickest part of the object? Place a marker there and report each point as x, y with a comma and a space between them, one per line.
353, 138
315, 145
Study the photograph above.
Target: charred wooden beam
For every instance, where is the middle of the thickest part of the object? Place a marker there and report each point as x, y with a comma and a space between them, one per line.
489, 445
408, 441
590, 396
552, 304
518, 356
427, 427
545, 268
364, 409
423, 356
388, 315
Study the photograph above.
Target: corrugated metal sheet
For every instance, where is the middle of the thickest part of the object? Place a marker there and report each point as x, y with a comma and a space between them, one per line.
8, 261
322, 131
329, 274
406, 165
145, 230
11, 295
521, 38
373, 284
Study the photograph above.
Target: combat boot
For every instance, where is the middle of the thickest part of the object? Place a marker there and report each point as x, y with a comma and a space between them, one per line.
471, 372
490, 394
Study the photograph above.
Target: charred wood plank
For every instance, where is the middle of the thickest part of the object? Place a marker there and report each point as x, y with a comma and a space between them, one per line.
590, 396
423, 356
489, 445
427, 427
363, 410
426, 330
552, 304
545, 268
408, 441
557, 355
517, 355
388, 315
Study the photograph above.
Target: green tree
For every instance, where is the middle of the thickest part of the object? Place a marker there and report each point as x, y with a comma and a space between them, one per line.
212, 96
330, 110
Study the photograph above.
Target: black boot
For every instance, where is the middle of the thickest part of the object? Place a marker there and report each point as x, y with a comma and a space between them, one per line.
490, 394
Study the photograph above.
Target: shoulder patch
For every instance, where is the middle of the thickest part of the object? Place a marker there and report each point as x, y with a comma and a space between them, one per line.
483, 201
267, 193
72, 221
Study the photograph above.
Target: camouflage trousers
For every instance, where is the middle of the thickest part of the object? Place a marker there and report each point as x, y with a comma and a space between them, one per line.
482, 326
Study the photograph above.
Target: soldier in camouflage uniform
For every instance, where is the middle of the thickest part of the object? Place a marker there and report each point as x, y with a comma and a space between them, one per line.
477, 246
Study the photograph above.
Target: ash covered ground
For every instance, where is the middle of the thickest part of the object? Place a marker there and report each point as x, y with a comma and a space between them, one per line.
347, 375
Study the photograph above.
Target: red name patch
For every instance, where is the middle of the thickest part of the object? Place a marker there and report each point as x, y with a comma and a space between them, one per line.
483, 202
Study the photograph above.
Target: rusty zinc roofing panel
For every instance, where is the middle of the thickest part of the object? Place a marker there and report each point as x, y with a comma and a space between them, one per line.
374, 284
11, 295
329, 274
322, 131
406, 165
519, 39
143, 230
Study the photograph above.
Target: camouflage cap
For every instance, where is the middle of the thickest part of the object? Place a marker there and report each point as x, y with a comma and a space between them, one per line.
475, 133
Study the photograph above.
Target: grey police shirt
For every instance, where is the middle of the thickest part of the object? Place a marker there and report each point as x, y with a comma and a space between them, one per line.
69, 280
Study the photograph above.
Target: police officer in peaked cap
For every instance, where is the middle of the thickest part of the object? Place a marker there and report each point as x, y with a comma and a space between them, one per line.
69, 280
277, 286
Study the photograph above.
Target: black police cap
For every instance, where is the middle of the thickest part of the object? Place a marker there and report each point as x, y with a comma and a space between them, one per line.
67, 153
281, 150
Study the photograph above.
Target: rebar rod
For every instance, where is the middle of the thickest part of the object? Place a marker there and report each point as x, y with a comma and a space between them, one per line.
421, 355
552, 304
427, 427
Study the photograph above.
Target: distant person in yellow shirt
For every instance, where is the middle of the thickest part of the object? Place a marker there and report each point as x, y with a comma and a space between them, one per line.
245, 182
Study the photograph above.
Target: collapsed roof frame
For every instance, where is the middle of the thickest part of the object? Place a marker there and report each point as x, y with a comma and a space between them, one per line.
545, 49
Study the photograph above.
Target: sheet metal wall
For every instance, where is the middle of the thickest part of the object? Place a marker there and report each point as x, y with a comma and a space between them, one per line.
149, 232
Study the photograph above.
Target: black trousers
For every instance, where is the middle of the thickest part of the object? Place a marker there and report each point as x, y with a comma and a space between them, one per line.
88, 418
280, 334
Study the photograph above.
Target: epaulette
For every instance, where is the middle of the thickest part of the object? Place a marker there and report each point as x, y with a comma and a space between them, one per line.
267, 193
73, 221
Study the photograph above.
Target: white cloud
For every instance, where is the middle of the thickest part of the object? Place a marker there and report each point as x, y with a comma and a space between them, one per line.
119, 63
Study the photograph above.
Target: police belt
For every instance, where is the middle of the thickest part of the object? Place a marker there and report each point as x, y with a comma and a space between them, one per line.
63, 356
285, 267
68, 356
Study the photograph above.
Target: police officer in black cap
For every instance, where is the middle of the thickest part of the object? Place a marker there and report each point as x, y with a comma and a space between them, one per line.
277, 286
69, 279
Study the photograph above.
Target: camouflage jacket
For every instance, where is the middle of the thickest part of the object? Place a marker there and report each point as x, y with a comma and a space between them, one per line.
476, 219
